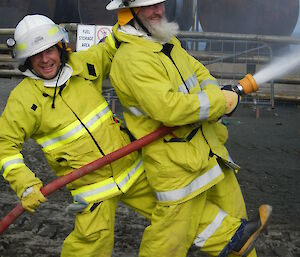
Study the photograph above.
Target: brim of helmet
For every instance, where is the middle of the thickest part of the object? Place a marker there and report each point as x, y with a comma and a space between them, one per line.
39, 50
114, 6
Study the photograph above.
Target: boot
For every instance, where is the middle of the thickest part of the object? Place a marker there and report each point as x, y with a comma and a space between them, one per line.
252, 230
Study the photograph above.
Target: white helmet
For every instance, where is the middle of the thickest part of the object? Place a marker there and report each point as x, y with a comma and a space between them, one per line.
36, 33
120, 4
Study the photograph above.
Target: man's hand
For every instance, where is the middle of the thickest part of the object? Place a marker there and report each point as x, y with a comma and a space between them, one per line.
232, 100
32, 198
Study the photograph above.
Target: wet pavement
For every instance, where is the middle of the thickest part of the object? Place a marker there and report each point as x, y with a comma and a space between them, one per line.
267, 148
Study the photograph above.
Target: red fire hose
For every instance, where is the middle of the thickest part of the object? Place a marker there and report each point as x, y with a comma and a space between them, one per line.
248, 85
86, 169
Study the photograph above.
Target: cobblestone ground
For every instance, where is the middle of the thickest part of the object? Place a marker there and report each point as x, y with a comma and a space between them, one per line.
267, 148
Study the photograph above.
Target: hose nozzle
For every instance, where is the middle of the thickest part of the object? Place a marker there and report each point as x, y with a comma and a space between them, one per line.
247, 85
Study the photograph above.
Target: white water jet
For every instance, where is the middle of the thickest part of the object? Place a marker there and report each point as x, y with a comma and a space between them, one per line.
280, 66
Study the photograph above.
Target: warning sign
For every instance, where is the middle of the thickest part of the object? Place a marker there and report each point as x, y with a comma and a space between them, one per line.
85, 36
102, 32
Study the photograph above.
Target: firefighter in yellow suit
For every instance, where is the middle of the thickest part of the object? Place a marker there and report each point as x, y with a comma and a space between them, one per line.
59, 104
198, 198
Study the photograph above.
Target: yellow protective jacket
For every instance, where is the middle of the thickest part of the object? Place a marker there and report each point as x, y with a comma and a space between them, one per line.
60, 131
157, 90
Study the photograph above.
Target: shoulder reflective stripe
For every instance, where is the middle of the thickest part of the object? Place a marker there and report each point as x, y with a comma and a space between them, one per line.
189, 83
135, 111
128, 177
109, 187
204, 83
75, 130
11, 162
98, 190
204, 106
210, 229
196, 184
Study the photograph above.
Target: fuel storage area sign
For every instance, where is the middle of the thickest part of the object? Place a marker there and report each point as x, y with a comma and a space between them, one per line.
88, 35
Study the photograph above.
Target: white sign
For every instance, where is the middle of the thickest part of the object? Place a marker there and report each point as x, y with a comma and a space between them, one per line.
88, 35
102, 32
85, 36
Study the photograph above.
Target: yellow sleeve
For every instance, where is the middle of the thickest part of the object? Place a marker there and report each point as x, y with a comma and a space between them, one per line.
16, 126
143, 76
97, 59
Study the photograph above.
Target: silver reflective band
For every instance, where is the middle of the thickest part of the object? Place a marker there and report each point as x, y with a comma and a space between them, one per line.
130, 174
190, 83
204, 106
97, 190
196, 184
135, 111
110, 187
8, 163
76, 129
204, 83
210, 229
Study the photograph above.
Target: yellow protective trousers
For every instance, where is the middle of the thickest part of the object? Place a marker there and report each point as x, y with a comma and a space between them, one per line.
93, 234
208, 220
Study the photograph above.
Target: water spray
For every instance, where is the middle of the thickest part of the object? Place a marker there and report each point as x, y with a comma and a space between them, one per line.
279, 67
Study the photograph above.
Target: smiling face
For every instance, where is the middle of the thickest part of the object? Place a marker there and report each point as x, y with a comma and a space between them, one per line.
152, 14
154, 19
46, 64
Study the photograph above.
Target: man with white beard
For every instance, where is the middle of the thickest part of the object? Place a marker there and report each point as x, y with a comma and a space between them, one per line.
190, 171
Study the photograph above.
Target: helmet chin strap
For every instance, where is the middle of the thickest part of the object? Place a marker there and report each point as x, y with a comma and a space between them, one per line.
139, 21
63, 60
55, 89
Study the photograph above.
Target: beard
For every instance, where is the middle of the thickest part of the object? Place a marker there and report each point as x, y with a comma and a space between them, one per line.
162, 31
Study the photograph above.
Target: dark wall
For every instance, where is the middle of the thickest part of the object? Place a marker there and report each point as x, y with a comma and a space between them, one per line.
276, 17
273, 17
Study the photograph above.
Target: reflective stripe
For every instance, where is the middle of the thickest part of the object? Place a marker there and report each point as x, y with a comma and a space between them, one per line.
75, 129
11, 162
52, 31
21, 46
232, 164
109, 187
189, 84
204, 106
127, 178
101, 190
135, 111
195, 185
210, 229
204, 83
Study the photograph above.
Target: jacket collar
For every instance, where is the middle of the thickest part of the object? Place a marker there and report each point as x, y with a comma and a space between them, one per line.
63, 77
74, 67
129, 34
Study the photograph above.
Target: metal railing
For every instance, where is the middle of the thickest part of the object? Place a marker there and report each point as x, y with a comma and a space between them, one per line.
228, 56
